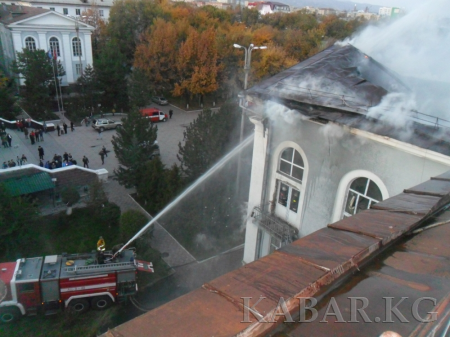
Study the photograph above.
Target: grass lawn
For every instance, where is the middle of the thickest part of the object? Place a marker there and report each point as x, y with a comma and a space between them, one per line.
77, 233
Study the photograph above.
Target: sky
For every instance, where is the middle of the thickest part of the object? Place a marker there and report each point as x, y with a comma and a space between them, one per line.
408, 4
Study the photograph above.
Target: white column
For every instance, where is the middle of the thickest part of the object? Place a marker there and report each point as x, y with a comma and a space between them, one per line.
256, 187
18, 47
67, 55
43, 41
87, 48
17, 41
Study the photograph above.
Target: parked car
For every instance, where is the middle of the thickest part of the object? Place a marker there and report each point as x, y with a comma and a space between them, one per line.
154, 114
106, 124
160, 100
156, 152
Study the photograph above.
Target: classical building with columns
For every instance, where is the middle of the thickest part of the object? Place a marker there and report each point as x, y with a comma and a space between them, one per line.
37, 28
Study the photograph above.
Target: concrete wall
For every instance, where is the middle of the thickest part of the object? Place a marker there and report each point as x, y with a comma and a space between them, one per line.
334, 156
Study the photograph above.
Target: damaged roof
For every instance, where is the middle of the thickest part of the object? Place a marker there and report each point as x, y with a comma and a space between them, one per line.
373, 254
339, 77
340, 85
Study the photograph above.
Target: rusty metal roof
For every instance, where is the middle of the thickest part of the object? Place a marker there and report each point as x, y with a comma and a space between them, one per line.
371, 254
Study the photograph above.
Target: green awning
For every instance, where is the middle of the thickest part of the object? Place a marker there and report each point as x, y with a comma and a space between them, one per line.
28, 184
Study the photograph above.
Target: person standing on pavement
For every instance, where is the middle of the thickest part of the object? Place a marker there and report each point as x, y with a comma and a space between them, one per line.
32, 137
170, 114
85, 162
9, 139
41, 152
45, 126
99, 136
102, 156
65, 128
58, 128
41, 134
25, 131
105, 151
36, 133
71, 127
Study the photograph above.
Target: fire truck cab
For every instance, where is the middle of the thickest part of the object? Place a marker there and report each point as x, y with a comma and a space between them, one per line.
56, 282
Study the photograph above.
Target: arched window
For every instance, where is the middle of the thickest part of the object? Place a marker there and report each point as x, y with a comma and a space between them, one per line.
30, 44
291, 163
54, 46
362, 193
76, 47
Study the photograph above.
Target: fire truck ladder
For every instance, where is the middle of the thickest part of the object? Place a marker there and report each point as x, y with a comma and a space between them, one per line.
100, 267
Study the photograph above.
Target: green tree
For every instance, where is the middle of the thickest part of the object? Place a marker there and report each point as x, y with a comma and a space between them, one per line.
250, 16
36, 68
87, 86
140, 89
206, 140
133, 145
7, 100
131, 222
16, 215
111, 68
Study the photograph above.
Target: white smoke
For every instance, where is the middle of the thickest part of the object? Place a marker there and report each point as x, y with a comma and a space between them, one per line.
278, 112
417, 47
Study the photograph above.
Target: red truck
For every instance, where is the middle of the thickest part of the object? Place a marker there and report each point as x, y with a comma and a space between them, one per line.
46, 285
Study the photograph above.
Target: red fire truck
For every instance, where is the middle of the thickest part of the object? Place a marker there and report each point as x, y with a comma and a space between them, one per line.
77, 282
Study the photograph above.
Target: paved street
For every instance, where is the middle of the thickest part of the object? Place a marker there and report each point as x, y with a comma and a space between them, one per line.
190, 274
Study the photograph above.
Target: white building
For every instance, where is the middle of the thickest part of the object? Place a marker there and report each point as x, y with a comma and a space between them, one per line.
385, 11
269, 7
318, 157
35, 28
69, 7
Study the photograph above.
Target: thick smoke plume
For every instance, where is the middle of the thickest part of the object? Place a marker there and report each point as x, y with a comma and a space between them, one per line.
417, 48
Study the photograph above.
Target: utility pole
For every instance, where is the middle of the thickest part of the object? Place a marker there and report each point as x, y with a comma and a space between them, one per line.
247, 64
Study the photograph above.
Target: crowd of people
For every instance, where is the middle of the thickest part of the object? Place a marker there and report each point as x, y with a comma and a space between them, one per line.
57, 161
12, 163
36, 135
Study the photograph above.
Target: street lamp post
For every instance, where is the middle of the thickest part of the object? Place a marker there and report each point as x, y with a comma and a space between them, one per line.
247, 61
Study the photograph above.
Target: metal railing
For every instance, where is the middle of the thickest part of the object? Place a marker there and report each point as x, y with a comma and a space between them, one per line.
275, 226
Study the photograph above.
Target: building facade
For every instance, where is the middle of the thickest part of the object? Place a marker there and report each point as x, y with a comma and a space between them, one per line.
317, 158
34, 28
269, 7
74, 8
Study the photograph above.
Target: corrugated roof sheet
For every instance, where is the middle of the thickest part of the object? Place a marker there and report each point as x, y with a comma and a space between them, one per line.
28, 184
329, 260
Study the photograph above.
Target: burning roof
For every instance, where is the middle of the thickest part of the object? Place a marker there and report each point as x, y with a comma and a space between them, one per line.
340, 77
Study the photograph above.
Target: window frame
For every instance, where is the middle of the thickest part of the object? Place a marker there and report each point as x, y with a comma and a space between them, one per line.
77, 11
34, 43
344, 185
291, 163
358, 195
78, 67
77, 50
52, 46
66, 11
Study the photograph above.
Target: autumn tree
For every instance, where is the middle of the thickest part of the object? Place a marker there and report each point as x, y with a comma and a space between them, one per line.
156, 55
128, 20
272, 61
197, 64
92, 17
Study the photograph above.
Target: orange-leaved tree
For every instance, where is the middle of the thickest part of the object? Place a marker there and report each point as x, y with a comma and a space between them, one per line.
197, 64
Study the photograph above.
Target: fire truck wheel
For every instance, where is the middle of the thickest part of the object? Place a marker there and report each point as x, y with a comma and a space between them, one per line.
79, 306
8, 315
101, 302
